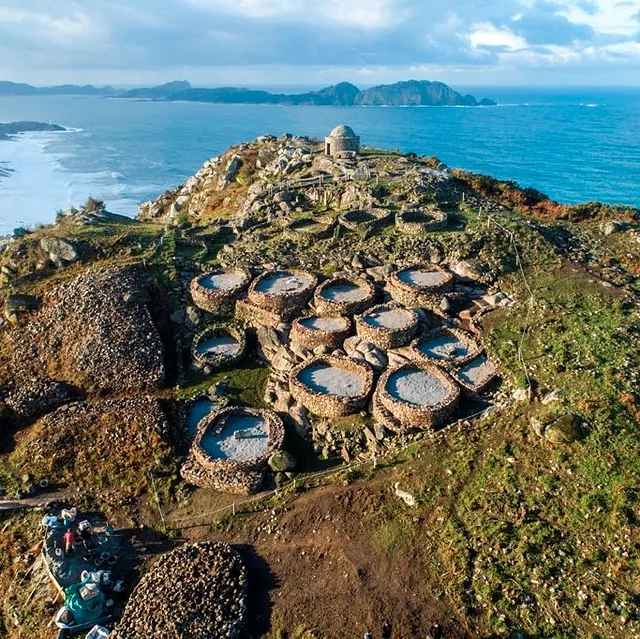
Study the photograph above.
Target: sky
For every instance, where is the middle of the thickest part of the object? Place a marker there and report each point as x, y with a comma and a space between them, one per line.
319, 42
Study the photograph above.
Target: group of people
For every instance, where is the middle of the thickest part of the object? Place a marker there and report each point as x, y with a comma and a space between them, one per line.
434, 633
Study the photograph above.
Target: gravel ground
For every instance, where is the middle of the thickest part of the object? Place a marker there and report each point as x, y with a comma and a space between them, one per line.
226, 446
279, 284
222, 281
418, 277
332, 380
417, 387
344, 293
329, 324
391, 318
476, 370
219, 345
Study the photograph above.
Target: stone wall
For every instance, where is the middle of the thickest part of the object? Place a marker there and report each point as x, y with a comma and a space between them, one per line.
325, 306
366, 221
414, 416
314, 338
255, 316
227, 475
219, 301
474, 348
216, 360
327, 405
288, 304
383, 337
475, 390
417, 221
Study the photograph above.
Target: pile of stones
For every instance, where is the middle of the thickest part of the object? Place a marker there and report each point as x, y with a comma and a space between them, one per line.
198, 591
95, 331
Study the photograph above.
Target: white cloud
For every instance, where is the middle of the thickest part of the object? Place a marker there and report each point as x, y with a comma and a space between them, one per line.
607, 16
485, 34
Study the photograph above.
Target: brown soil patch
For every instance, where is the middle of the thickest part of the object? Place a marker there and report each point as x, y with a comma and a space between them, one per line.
328, 573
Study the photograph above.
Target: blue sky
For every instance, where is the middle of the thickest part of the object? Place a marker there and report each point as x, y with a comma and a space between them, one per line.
317, 42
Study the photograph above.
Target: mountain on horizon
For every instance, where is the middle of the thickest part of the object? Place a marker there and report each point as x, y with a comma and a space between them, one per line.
406, 93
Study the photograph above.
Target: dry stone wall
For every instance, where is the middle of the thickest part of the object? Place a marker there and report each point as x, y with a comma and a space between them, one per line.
220, 301
386, 337
329, 405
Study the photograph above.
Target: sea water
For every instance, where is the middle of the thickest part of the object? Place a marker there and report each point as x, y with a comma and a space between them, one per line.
573, 144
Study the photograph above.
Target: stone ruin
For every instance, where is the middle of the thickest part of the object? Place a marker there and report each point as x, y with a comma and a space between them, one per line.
216, 292
218, 346
231, 449
197, 591
332, 386
408, 364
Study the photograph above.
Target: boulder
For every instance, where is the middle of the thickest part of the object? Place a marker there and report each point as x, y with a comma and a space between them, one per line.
282, 461
467, 270
60, 251
565, 430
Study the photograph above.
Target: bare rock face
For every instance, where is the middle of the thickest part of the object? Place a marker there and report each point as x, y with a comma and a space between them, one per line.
195, 592
95, 332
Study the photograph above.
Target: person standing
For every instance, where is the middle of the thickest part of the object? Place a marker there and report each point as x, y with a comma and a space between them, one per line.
386, 629
69, 541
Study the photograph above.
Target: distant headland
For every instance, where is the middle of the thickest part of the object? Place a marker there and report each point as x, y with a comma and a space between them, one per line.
8, 129
407, 93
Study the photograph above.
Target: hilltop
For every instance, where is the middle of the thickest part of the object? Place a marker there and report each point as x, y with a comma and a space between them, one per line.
507, 505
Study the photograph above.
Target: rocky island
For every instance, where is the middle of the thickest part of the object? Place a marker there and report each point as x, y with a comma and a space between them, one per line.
317, 386
8, 129
408, 93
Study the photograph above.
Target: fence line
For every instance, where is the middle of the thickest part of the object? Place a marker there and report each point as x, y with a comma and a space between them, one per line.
331, 471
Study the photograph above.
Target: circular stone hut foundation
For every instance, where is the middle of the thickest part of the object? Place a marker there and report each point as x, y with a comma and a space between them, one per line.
446, 346
416, 221
418, 396
344, 296
217, 291
314, 228
284, 293
387, 325
231, 449
218, 346
365, 221
312, 332
332, 386
476, 375
410, 285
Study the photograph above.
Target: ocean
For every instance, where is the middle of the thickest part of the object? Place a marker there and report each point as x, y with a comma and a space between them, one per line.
575, 145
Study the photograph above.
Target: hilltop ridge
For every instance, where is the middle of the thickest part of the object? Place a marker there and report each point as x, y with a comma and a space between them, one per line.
512, 512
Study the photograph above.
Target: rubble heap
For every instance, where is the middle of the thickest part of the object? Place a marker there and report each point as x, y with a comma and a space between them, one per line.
198, 591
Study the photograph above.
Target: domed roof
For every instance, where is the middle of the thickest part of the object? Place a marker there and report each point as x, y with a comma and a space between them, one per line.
343, 131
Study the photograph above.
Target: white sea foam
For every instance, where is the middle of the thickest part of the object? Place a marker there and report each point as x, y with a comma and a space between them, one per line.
38, 185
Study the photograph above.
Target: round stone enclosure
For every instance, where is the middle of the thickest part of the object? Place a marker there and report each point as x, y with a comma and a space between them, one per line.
344, 296
418, 221
314, 331
218, 346
418, 396
332, 386
475, 375
318, 228
282, 292
424, 279
243, 436
388, 325
446, 346
365, 220
217, 290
